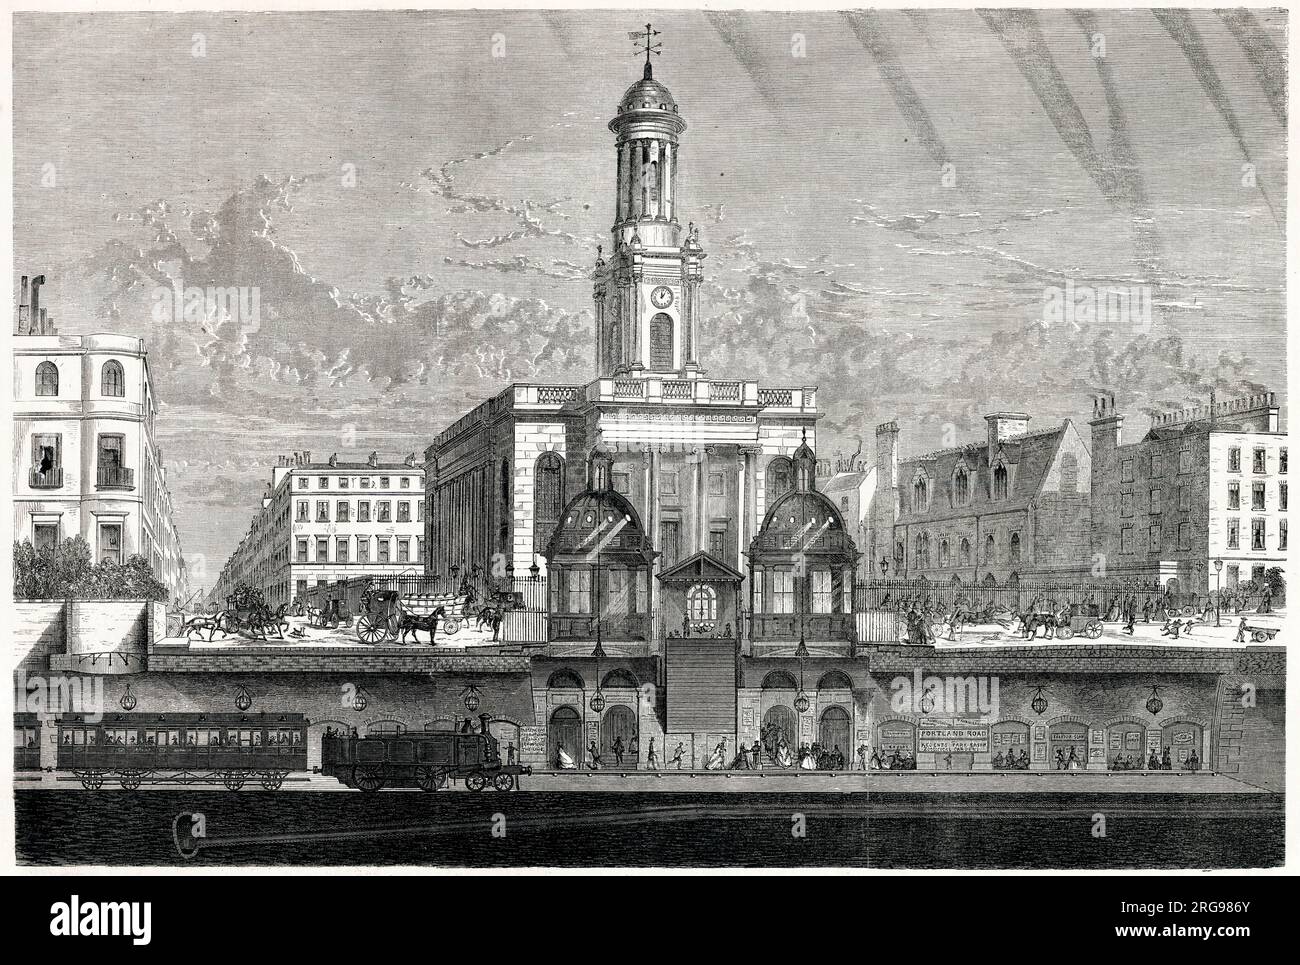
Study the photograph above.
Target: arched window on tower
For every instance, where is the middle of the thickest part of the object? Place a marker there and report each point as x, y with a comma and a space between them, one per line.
112, 380
548, 498
778, 479
661, 343
920, 495
961, 487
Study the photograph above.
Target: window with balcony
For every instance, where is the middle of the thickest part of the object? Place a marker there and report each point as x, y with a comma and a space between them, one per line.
47, 379
47, 461
111, 472
112, 379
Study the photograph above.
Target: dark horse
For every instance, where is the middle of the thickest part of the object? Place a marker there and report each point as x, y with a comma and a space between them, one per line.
408, 622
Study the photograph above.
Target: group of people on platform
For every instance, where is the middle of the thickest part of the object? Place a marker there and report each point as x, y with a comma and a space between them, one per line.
1010, 762
1154, 762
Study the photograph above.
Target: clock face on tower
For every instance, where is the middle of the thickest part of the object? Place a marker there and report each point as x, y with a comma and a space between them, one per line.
661, 297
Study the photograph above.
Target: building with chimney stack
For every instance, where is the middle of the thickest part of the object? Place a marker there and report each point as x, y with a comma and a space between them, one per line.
322, 522
1204, 485
87, 462
1015, 503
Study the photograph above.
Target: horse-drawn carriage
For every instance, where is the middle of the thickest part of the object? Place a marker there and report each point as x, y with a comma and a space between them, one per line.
387, 614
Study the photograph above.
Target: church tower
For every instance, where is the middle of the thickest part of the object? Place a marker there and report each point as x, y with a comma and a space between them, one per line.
647, 293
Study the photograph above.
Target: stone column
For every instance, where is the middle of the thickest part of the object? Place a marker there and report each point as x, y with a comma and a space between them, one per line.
652, 530
666, 175
742, 510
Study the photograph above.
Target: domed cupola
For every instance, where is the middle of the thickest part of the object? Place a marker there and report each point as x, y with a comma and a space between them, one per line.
803, 520
599, 519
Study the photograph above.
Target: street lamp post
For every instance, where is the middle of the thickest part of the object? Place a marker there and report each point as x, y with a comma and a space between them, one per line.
1218, 569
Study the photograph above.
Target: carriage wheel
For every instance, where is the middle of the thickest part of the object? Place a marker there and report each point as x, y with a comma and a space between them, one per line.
131, 780
430, 779
504, 782
450, 626
1188, 610
233, 780
272, 780
369, 631
368, 777
1259, 636
1094, 631
1064, 633
476, 781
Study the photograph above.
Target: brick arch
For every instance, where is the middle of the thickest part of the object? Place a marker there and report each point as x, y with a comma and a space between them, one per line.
1126, 719
514, 721
1200, 722
1069, 719
1012, 720
900, 718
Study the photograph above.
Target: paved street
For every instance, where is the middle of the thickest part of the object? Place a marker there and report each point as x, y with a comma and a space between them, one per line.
302, 633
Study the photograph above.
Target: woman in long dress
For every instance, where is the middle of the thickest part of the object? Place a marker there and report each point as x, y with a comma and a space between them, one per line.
783, 756
565, 760
718, 759
806, 762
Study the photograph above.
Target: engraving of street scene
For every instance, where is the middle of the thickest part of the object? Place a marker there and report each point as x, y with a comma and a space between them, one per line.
738, 401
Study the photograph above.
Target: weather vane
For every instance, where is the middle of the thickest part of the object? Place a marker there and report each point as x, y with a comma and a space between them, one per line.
645, 43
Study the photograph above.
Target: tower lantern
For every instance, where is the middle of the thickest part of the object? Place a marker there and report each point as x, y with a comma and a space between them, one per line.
646, 294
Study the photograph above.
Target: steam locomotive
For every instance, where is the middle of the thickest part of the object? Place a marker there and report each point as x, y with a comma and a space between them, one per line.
427, 760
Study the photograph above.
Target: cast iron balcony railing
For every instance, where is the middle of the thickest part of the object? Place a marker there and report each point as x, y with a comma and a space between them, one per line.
115, 477
49, 479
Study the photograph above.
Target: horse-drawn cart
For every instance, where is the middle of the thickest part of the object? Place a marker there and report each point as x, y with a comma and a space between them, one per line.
387, 615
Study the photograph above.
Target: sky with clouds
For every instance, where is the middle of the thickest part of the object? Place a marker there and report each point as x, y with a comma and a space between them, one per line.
885, 199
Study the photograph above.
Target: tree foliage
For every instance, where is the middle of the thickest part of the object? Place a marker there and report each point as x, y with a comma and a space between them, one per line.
66, 571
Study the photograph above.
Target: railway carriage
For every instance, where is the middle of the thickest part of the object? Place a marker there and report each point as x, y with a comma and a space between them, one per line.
229, 749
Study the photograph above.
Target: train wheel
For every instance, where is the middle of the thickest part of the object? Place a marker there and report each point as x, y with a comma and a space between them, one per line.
504, 782
91, 780
429, 779
368, 777
233, 780
368, 631
131, 780
476, 781
272, 780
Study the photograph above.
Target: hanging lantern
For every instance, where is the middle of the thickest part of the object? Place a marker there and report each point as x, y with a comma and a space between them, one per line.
360, 700
1039, 703
927, 701
1154, 703
472, 698
128, 700
597, 702
801, 703
243, 700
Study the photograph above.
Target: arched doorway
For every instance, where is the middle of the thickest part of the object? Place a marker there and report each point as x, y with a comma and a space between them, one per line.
507, 734
1009, 745
1067, 746
1124, 746
565, 732
834, 733
1183, 740
619, 722
780, 724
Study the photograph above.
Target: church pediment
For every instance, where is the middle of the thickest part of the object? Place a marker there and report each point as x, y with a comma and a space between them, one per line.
701, 568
